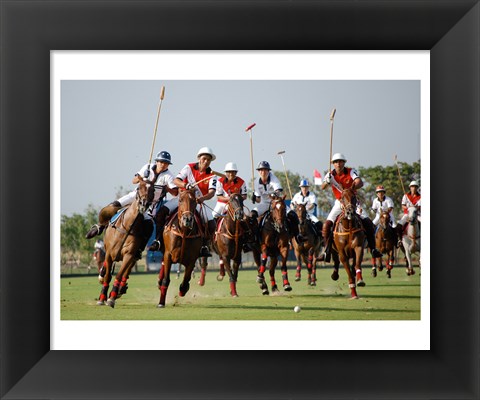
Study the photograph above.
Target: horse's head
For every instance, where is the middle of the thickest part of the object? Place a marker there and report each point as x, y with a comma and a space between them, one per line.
144, 196
278, 211
412, 214
301, 211
186, 208
349, 202
384, 219
235, 207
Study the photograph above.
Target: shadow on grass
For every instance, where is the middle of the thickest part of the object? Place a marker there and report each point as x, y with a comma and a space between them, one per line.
307, 308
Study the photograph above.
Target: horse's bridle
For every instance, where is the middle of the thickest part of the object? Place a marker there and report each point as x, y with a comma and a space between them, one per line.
186, 219
235, 212
348, 209
277, 225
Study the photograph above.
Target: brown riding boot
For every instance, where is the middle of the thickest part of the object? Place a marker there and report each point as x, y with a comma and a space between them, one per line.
160, 220
370, 232
327, 238
207, 239
104, 216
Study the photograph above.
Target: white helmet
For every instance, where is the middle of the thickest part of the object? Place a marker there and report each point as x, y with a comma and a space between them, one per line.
206, 150
230, 167
338, 156
414, 183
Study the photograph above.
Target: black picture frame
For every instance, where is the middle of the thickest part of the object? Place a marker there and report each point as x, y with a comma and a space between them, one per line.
30, 30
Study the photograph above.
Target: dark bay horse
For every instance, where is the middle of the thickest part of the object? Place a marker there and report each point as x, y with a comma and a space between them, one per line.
182, 236
349, 238
274, 243
229, 239
385, 240
307, 249
123, 239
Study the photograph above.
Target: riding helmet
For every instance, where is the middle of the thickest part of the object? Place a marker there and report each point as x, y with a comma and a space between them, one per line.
380, 188
339, 156
263, 165
230, 167
164, 156
206, 150
304, 183
414, 183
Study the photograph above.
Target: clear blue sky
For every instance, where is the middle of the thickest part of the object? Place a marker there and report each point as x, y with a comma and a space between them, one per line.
107, 127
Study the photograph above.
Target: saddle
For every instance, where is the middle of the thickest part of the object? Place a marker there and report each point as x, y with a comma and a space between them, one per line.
116, 216
198, 220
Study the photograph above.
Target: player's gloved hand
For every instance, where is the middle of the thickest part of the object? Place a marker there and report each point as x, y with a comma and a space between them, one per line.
254, 198
327, 178
189, 186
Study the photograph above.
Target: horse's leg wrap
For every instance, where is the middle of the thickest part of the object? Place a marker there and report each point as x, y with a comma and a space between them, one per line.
104, 292
163, 294
233, 289
114, 292
123, 287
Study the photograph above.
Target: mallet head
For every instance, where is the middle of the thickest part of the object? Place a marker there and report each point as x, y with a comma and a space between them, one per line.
281, 152
250, 127
332, 115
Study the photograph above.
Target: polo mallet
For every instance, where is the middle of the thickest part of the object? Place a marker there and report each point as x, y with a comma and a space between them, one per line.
281, 153
162, 95
399, 176
249, 129
208, 177
332, 116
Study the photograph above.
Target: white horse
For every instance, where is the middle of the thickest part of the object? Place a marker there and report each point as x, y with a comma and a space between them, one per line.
411, 239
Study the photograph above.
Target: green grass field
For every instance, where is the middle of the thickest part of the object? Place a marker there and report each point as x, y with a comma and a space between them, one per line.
397, 298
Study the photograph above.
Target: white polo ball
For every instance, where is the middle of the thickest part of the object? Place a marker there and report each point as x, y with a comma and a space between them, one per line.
297, 309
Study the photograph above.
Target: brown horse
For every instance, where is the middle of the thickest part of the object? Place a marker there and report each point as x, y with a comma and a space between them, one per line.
307, 249
385, 240
182, 236
274, 243
123, 239
229, 240
349, 237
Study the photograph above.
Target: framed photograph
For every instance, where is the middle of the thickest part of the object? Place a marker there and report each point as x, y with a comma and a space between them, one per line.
34, 365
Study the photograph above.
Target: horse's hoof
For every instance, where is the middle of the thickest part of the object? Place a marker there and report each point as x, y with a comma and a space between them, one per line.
389, 274
361, 283
274, 288
160, 305
335, 275
374, 272
265, 292
220, 278
234, 294
354, 298
380, 268
287, 288
100, 303
111, 303
297, 278
201, 283
313, 283
412, 272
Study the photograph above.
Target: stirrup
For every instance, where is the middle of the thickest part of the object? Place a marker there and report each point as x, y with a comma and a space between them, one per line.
155, 246
204, 252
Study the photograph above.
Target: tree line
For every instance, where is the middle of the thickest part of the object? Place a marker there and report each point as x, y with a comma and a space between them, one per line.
74, 246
